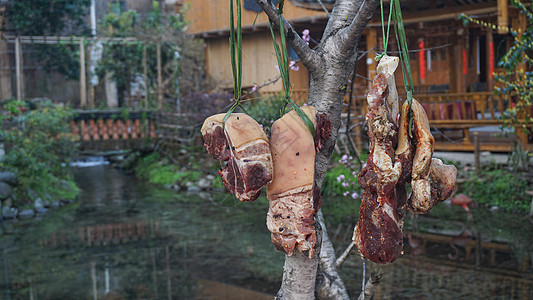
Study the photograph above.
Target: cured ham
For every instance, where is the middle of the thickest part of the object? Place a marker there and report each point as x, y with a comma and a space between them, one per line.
378, 234
244, 146
398, 154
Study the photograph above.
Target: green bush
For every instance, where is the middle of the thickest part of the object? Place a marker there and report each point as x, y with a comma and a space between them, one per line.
159, 170
497, 188
265, 110
39, 147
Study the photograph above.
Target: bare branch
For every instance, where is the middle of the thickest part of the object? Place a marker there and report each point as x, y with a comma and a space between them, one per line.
350, 35
344, 255
324, 8
342, 15
309, 57
370, 286
329, 285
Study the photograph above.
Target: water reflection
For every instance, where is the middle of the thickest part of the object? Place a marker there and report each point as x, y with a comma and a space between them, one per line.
126, 239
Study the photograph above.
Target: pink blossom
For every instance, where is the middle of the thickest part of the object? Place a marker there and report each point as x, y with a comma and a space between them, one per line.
254, 88
305, 36
355, 195
293, 66
340, 177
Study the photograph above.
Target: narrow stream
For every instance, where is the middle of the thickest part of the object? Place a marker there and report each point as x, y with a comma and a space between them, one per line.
126, 239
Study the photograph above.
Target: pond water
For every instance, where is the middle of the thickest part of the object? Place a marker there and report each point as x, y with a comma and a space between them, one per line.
127, 239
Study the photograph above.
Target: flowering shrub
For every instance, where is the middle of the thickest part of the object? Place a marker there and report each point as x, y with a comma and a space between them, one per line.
341, 178
350, 182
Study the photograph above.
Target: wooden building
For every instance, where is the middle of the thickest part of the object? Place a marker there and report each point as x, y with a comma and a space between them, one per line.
452, 64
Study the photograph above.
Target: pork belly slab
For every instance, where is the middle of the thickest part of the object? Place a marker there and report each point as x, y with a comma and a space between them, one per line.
243, 144
293, 203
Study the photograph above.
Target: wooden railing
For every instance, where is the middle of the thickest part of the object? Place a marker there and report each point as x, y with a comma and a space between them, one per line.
464, 111
111, 130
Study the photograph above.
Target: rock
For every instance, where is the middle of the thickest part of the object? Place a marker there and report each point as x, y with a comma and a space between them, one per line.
54, 204
188, 184
204, 183
38, 205
26, 213
5, 190
175, 187
210, 177
193, 189
41, 210
9, 177
9, 212
204, 195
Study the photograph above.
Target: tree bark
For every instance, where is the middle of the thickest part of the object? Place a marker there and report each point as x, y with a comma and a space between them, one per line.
329, 66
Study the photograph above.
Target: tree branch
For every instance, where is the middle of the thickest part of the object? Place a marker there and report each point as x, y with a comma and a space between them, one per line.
344, 255
299, 275
341, 16
370, 286
349, 36
309, 57
329, 285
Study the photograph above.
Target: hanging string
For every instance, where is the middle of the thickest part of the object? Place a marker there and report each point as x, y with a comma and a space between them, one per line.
404, 51
385, 37
283, 64
235, 43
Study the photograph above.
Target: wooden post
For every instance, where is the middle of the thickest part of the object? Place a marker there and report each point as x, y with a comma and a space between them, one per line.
503, 16
83, 79
18, 69
371, 43
452, 64
490, 59
5, 73
145, 73
159, 77
521, 24
91, 87
460, 62
477, 163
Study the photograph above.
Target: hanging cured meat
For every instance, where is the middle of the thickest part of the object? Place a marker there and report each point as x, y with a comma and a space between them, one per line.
395, 158
378, 234
294, 200
244, 145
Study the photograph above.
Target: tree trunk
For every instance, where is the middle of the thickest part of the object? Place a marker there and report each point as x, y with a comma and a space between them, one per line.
329, 66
